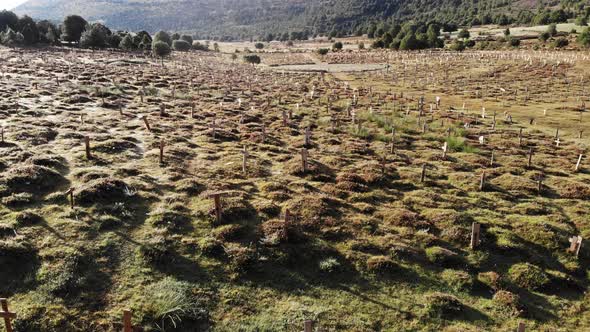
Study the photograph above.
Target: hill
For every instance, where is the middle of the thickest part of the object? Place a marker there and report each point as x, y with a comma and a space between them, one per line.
247, 18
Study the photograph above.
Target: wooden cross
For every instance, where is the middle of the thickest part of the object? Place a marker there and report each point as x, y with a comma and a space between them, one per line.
445, 148
475, 235
308, 326
218, 208
423, 174
6, 314
307, 136
530, 161
521, 327
575, 245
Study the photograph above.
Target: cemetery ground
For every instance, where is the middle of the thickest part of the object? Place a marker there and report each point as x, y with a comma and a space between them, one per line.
445, 192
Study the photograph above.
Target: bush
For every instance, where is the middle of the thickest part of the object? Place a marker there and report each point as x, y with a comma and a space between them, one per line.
252, 58
337, 46
323, 51
464, 34
127, 43
458, 46
259, 46
552, 29
528, 276
361, 46
187, 38
162, 36
514, 42
457, 280
161, 49
560, 42
584, 38
197, 46
544, 36
181, 45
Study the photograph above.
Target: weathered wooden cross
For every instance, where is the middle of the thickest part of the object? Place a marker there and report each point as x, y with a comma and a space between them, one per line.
7, 315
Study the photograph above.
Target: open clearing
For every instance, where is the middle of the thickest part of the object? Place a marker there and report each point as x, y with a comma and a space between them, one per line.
347, 198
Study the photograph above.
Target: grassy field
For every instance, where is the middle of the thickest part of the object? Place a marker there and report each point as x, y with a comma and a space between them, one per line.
366, 245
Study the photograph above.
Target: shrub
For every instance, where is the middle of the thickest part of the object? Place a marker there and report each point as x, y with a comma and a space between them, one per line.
544, 36
181, 45
323, 51
514, 42
162, 36
337, 46
528, 276
160, 49
552, 29
197, 46
187, 38
584, 38
127, 43
457, 280
560, 42
259, 46
252, 58
458, 46
361, 46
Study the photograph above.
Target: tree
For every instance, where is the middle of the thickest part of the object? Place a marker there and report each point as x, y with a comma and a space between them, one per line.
28, 27
252, 59
409, 42
48, 32
140, 38
187, 38
181, 45
146, 43
11, 38
458, 46
8, 19
584, 38
463, 34
175, 36
337, 46
160, 49
94, 37
72, 28
127, 43
162, 36
114, 40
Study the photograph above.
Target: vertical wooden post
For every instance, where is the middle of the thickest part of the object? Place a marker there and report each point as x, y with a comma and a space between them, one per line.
217, 201
482, 181
146, 122
520, 137
304, 155
308, 326
521, 327
475, 234
127, 326
575, 245
87, 145
2, 135
161, 151
423, 174
307, 136
492, 159
445, 148
530, 161
6, 314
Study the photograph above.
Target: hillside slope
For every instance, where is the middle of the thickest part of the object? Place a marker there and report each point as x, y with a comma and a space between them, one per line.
244, 18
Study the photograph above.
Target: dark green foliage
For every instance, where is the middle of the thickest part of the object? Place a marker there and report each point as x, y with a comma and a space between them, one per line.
127, 43
552, 29
72, 28
162, 36
200, 47
252, 58
160, 48
514, 42
560, 42
464, 34
458, 46
175, 36
187, 38
48, 32
337, 46
181, 45
584, 38
544, 36
259, 46
29, 30
94, 37
8, 19
323, 51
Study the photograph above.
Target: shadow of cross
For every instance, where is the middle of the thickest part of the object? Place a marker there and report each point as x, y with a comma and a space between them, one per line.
6, 314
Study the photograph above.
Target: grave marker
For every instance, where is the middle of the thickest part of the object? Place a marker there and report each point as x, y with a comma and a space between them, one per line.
7, 315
